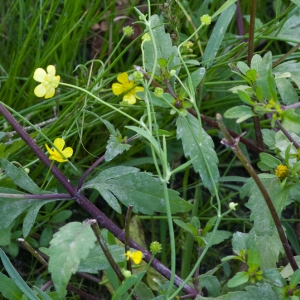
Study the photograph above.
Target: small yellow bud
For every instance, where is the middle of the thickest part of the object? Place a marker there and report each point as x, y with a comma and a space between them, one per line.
282, 171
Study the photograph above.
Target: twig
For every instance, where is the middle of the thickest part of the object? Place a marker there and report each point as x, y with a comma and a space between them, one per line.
287, 134
233, 144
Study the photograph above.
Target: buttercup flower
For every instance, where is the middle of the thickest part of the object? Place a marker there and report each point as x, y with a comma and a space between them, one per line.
281, 171
49, 82
59, 143
127, 87
136, 256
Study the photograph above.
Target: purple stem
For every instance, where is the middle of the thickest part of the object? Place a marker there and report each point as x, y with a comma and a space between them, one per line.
103, 220
239, 19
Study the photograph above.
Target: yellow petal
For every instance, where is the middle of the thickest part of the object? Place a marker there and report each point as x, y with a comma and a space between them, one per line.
39, 75
40, 90
117, 88
68, 152
123, 78
56, 156
59, 143
48, 149
50, 92
55, 81
51, 70
138, 89
130, 98
137, 257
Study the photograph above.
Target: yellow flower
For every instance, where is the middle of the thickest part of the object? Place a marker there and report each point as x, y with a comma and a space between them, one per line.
135, 256
59, 143
282, 171
127, 87
49, 82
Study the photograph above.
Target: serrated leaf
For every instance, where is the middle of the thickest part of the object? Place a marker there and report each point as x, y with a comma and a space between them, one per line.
199, 145
9, 289
69, 246
114, 148
164, 47
260, 214
20, 178
218, 34
241, 113
139, 189
96, 260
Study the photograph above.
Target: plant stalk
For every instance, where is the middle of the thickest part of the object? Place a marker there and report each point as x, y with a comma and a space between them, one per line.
233, 144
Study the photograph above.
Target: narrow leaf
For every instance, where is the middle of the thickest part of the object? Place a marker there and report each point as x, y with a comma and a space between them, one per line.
9, 289
14, 275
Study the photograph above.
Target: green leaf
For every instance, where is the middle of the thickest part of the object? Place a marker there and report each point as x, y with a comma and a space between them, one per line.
9, 289
31, 216
253, 260
198, 144
291, 121
252, 75
69, 246
114, 148
255, 62
217, 237
164, 47
96, 260
5, 235
14, 275
196, 78
143, 292
265, 77
297, 2
238, 279
269, 160
139, 189
245, 98
286, 90
226, 5
241, 112
242, 67
260, 214
269, 138
187, 227
211, 284
126, 285
61, 216
19, 177
146, 135
218, 34
274, 276
295, 278
11, 208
